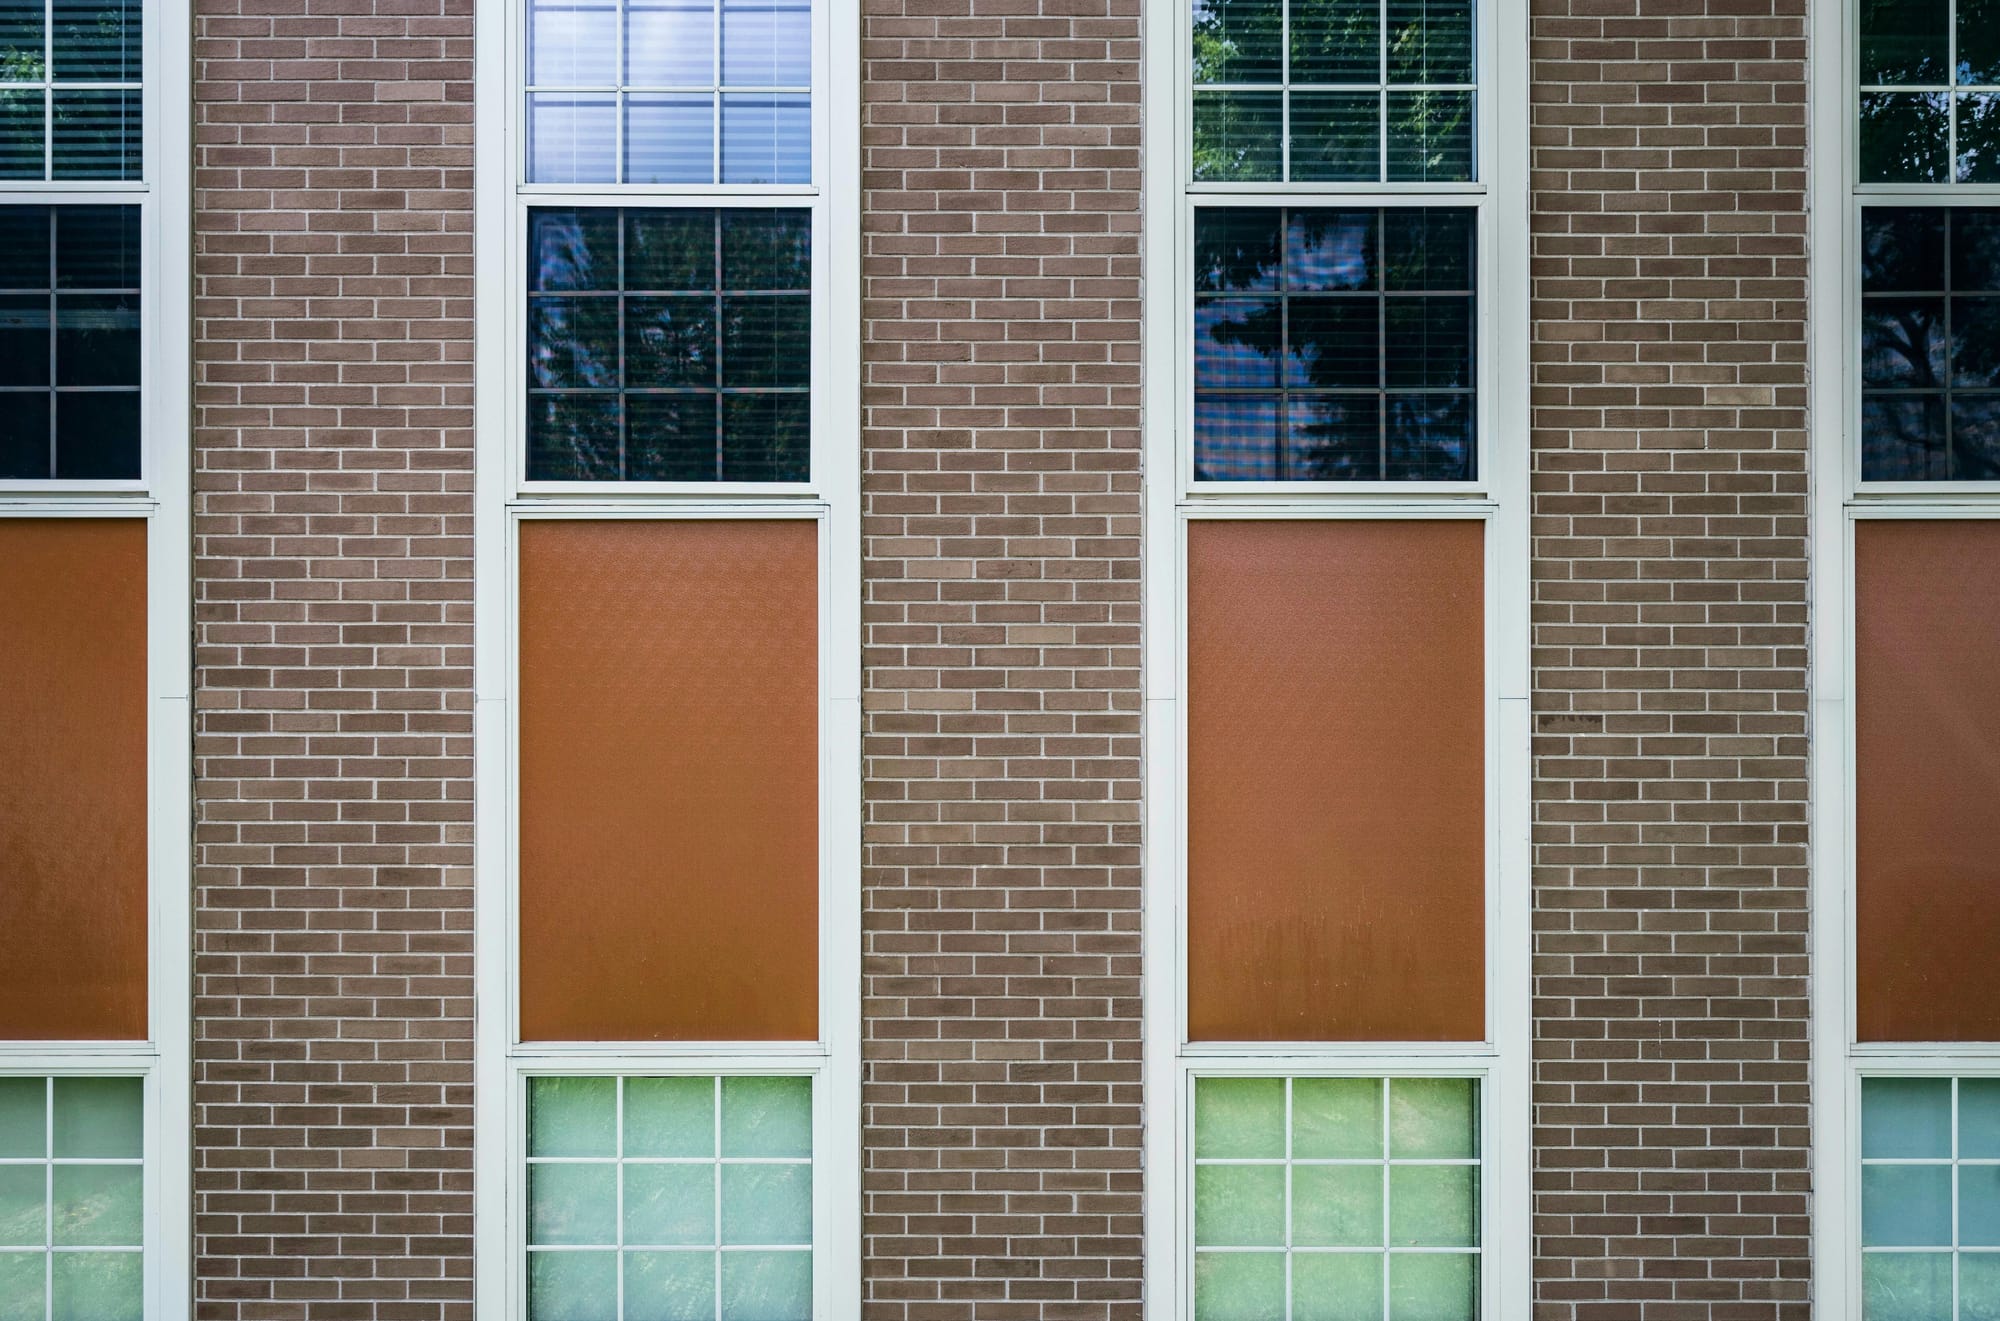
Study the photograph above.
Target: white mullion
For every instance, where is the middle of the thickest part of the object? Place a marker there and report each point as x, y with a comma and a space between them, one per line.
618, 1177
1385, 1198
715, 1220
49, 1199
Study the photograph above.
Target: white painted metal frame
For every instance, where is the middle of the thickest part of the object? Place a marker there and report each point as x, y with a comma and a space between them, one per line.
1498, 498
161, 498
832, 499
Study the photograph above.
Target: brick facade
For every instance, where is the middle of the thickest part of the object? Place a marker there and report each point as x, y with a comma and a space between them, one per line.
333, 759
1669, 272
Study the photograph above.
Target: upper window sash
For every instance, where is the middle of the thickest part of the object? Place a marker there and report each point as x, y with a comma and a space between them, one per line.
72, 93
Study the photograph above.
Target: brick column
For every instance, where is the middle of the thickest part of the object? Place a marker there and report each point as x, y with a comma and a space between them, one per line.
333, 523
1001, 619
1670, 651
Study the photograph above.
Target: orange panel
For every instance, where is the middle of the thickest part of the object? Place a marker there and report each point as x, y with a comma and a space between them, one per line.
73, 917
669, 799
1927, 779
1336, 781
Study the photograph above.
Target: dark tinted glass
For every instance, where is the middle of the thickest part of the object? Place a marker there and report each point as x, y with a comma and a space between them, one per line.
767, 341
1427, 342
1236, 437
1975, 248
670, 250
1336, 41
1238, 342
1334, 438
97, 247
573, 343
97, 434
1975, 342
573, 438
1979, 41
1334, 341
1237, 250
1903, 438
97, 134
1336, 137
23, 122
1905, 41
25, 443
1429, 437
1238, 41
1430, 136
765, 437
98, 41
1238, 135
1978, 139
21, 39
1975, 438
1430, 41
97, 339
767, 250
1903, 342
1328, 250
573, 249
24, 340
1428, 248
670, 341
1902, 248
1903, 137
673, 438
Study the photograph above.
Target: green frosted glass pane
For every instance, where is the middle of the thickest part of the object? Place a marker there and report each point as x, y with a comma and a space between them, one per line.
572, 1286
100, 1118
572, 1116
1906, 1206
767, 1204
1433, 1118
669, 1204
1434, 1206
1979, 1286
1236, 1117
1433, 1286
1905, 1286
573, 1204
1239, 1205
767, 1117
1337, 1206
1978, 1118
1337, 1286
670, 1116
99, 1206
1979, 1206
23, 1221
21, 1275
1903, 1117
1239, 1286
670, 1286
24, 1121
767, 1286
97, 1286
1237, 135
1337, 1118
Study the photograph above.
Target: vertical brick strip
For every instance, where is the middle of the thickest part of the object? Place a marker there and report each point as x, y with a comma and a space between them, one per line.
332, 524
1670, 635
1001, 625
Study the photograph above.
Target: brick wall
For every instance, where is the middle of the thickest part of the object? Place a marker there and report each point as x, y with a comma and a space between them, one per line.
1001, 616
1670, 635
333, 509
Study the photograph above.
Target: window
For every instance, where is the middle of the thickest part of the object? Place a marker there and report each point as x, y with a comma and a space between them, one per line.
1930, 92
1930, 1197
71, 94
72, 1206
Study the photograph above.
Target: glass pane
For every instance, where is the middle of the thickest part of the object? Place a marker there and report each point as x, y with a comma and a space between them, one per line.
573, 1286
1902, 438
1978, 1118
1239, 1286
1428, 437
573, 343
573, 43
24, 436
1433, 1118
1902, 249
1337, 1286
573, 1203
1906, 1206
766, 43
97, 339
767, 1205
1979, 1287
1331, 251
98, 1205
766, 341
21, 1280
1334, 342
766, 438
1429, 248
97, 247
1238, 41
1905, 1117
1975, 341
1433, 1286
101, 1118
1238, 1117
1979, 1205
24, 342
670, 250
22, 44
1337, 1118
1905, 1286
1237, 135
572, 438
572, 1116
1430, 41
23, 130
24, 1220
1333, 438
1903, 137
767, 250
669, 341
766, 139
1978, 139
670, 139
97, 135
1235, 438
671, 438
1978, 41
98, 41
1237, 343
1336, 41
572, 249
1975, 248
1905, 41
1336, 136
97, 1286
97, 435
1239, 1205
24, 1116
1902, 342
670, 1204
1430, 136
669, 1116
670, 43
767, 1117
766, 1286
572, 139
1433, 1206
669, 1286
1337, 1206
1428, 343
1236, 249
25, 236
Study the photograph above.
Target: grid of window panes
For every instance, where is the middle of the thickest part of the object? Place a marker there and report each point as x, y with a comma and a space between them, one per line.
1930, 1198
1930, 91
1330, 91
669, 344
71, 95
69, 342
669, 91
1334, 344
1930, 343
669, 1198
72, 1187
1336, 1197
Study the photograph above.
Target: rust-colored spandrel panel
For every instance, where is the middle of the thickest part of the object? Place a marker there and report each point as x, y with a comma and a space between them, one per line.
73, 915
1927, 779
669, 780
1336, 780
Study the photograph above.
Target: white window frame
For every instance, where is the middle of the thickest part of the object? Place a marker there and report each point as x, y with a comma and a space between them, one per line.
506, 499
161, 497
1497, 497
